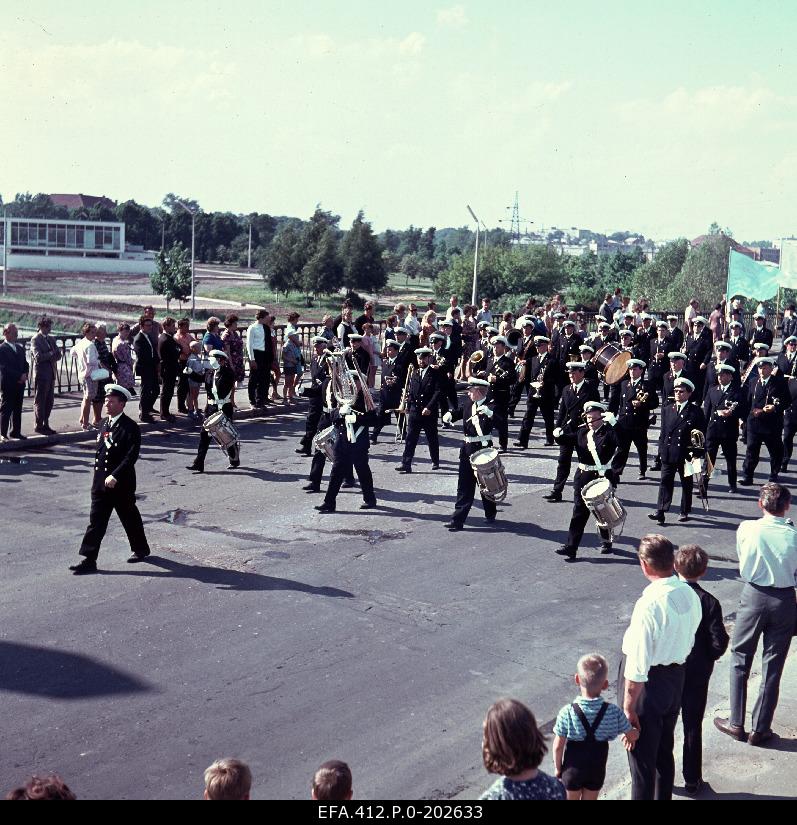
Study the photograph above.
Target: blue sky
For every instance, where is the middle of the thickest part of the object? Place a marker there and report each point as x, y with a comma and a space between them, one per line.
608, 115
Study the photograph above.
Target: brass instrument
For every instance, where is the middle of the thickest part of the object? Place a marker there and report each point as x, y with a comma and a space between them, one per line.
699, 445
540, 378
750, 367
344, 387
401, 412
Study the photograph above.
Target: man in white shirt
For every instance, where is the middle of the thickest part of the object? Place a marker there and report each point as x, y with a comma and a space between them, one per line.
260, 354
655, 647
767, 551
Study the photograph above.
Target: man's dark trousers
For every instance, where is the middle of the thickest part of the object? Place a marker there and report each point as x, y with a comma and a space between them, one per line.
652, 762
11, 399
259, 379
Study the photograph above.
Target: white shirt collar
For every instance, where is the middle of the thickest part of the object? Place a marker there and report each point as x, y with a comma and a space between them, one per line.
112, 422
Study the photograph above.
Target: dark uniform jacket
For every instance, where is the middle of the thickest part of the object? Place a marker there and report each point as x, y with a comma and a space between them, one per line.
571, 406
698, 350
600, 341
644, 338
391, 391
741, 348
657, 367
466, 413
503, 369
169, 352
669, 379
549, 367
13, 364
362, 357
722, 428
676, 338
318, 373
789, 327
117, 453
365, 419
786, 367
424, 393
606, 444
628, 416
223, 384
566, 349
711, 373
761, 335
147, 357
775, 392
675, 442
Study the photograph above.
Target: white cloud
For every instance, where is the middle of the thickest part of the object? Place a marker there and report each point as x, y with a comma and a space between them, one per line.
412, 44
454, 17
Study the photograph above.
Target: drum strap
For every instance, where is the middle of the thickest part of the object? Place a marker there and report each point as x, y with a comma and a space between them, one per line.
485, 440
593, 451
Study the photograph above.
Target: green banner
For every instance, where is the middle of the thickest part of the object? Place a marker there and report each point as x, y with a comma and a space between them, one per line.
751, 279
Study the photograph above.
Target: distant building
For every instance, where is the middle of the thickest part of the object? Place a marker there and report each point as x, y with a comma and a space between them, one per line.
82, 201
72, 246
770, 255
743, 250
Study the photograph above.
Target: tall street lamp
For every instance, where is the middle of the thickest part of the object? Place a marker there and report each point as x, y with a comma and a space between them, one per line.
6, 241
193, 213
475, 259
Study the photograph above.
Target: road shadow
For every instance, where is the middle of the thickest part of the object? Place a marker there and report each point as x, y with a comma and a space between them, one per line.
225, 579
58, 674
708, 792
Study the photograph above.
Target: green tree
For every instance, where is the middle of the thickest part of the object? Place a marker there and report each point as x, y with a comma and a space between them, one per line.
172, 278
322, 273
653, 279
281, 264
363, 265
704, 274
26, 205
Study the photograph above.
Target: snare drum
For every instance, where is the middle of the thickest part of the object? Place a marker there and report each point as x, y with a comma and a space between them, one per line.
612, 363
324, 442
222, 430
489, 471
600, 498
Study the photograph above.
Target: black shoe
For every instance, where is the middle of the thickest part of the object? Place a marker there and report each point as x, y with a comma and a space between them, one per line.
606, 548
784, 468
658, 517
405, 470
550, 443
367, 506
435, 466
311, 488
146, 419
373, 442
520, 444
746, 482
302, 451
732, 490
694, 788
453, 526
49, 430
349, 485
169, 419
323, 508
41, 430
772, 480
18, 437
568, 552
234, 465
183, 410
197, 468
642, 476
733, 731
490, 519
503, 450
683, 517
553, 496
136, 558
85, 568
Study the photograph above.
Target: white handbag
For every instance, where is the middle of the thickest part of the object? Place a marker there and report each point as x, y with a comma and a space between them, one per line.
100, 374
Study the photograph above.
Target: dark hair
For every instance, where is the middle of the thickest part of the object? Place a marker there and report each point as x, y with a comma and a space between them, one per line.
261, 314
86, 327
184, 322
168, 320
43, 788
123, 325
691, 561
657, 552
332, 781
774, 498
213, 321
44, 321
144, 320
512, 742
230, 319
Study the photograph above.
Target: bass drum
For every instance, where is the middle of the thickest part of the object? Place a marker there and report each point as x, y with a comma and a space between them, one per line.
602, 502
490, 474
612, 363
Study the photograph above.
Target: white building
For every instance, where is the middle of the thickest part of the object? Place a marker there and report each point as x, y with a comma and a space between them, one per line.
71, 246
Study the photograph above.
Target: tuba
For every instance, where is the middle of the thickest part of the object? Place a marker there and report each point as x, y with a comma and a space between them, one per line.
344, 387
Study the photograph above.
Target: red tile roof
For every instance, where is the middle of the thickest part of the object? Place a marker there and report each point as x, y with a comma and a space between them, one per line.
744, 250
82, 201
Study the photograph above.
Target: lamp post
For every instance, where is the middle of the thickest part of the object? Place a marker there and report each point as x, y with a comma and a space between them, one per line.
250, 243
193, 213
6, 241
475, 259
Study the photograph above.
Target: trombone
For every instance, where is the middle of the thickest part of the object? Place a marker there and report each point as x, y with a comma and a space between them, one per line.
401, 412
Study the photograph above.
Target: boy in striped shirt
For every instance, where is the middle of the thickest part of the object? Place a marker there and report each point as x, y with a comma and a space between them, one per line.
584, 729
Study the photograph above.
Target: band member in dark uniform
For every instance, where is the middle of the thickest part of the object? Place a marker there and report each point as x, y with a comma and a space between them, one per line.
439, 364
351, 450
675, 332
394, 376
571, 408
761, 334
658, 362
596, 447
767, 400
543, 381
564, 348
605, 336
313, 393
699, 346
675, 447
452, 352
644, 336
219, 398
723, 408
358, 354
722, 358
114, 484
477, 416
633, 406
740, 346
406, 354
502, 377
527, 351
423, 401
787, 367
678, 369
328, 404
787, 359
585, 354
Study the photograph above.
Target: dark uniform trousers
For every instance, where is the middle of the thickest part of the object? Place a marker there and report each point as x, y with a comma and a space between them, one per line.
103, 504
320, 458
667, 486
348, 459
767, 612
501, 416
789, 431
313, 419
693, 709
259, 378
416, 424
581, 512
729, 450
169, 381
149, 391
652, 761
626, 436
466, 485
773, 443
205, 438
547, 407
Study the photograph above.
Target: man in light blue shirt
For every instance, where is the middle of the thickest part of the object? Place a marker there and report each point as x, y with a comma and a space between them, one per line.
767, 550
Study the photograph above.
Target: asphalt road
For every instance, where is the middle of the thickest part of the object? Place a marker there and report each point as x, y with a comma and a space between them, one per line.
266, 631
